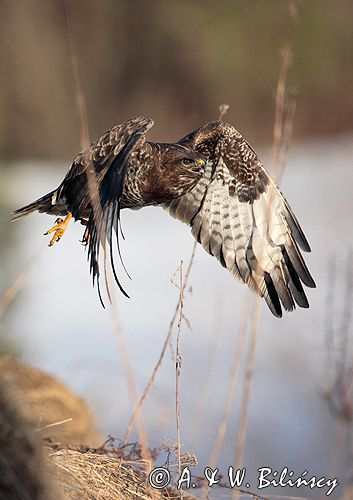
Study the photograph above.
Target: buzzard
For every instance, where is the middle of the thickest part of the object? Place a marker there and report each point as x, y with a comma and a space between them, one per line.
211, 179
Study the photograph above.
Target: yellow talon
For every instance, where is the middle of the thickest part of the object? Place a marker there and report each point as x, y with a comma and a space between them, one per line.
59, 229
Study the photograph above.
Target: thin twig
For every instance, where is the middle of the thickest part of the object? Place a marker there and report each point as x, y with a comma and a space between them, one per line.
53, 425
178, 363
161, 356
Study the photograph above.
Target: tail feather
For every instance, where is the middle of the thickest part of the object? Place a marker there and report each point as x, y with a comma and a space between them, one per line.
45, 204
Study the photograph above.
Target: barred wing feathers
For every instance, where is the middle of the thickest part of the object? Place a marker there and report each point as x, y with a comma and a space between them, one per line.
108, 160
239, 215
100, 157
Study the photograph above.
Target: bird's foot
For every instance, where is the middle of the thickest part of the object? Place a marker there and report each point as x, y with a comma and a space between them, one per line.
59, 229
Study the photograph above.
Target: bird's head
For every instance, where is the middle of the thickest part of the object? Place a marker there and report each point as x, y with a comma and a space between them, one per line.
177, 169
182, 162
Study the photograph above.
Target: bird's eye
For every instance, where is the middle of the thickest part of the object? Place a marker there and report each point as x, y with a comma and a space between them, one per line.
187, 162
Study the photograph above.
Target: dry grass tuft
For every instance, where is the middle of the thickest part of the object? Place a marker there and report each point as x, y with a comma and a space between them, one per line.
103, 473
33, 406
90, 474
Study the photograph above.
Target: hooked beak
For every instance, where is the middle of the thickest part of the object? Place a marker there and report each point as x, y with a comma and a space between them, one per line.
202, 166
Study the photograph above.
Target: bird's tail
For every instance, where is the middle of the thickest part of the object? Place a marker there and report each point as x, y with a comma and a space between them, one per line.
44, 204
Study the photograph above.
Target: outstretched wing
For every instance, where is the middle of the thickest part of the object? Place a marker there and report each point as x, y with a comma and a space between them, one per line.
107, 160
239, 215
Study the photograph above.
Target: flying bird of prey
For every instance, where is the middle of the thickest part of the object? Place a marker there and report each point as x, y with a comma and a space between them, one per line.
211, 179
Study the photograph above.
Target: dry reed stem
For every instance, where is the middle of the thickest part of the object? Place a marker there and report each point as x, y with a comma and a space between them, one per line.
222, 426
207, 375
346, 318
282, 132
238, 352
164, 348
245, 400
81, 112
223, 108
278, 127
287, 138
178, 363
328, 368
141, 431
338, 392
9, 295
339, 347
93, 189
340, 441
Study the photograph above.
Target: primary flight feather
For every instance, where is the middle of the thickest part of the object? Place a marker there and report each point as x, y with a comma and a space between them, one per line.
211, 179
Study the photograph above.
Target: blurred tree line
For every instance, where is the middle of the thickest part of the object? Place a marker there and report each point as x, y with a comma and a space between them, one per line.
175, 60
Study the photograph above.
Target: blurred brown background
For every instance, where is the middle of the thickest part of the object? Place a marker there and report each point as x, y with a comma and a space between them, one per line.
177, 61
174, 60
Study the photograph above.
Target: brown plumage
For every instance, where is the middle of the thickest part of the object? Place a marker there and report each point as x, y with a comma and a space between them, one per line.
234, 208
239, 215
